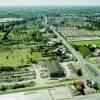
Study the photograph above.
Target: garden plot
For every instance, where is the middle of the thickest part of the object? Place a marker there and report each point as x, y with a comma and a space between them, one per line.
16, 75
22, 76
79, 34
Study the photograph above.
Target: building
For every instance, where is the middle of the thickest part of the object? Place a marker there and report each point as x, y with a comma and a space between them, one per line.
55, 70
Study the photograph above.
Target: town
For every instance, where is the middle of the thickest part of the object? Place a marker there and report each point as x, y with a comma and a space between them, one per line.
53, 51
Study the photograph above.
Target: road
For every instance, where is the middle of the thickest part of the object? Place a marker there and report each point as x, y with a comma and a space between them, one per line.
87, 73
45, 95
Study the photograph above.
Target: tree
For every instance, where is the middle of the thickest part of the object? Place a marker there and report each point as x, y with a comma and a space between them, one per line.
79, 72
33, 61
7, 57
18, 86
6, 68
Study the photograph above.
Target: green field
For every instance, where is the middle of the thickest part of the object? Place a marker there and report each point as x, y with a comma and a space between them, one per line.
85, 42
18, 57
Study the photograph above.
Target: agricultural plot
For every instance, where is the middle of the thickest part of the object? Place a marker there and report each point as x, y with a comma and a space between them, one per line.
22, 76
72, 34
14, 78
18, 57
23, 34
18, 75
78, 24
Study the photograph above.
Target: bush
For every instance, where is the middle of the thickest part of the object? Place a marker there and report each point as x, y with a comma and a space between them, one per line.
6, 68
3, 88
16, 86
33, 61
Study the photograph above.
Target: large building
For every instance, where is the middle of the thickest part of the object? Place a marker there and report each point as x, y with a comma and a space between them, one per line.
55, 70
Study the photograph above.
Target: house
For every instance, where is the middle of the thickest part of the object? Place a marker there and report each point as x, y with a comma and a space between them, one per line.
55, 70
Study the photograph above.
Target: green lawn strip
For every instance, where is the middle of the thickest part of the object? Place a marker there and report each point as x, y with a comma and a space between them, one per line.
85, 42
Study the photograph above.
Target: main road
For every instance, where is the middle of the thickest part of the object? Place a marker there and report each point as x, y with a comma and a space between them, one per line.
87, 69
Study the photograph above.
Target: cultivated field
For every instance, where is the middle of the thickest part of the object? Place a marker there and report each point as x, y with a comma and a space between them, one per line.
72, 34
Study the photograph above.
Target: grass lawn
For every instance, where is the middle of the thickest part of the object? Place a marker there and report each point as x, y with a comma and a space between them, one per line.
15, 58
84, 42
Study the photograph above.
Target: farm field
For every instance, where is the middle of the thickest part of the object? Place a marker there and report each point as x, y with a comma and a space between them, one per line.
72, 34
77, 24
85, 42
18, 57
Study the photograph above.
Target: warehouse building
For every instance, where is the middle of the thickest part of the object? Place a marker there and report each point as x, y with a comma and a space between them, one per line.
55, 70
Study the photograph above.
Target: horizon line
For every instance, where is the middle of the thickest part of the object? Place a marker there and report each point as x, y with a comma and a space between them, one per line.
49, 5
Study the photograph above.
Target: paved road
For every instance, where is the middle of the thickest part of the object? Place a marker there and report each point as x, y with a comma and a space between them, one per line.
87, 73
44, 95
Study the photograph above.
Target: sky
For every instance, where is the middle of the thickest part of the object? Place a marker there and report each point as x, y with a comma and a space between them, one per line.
49, 2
